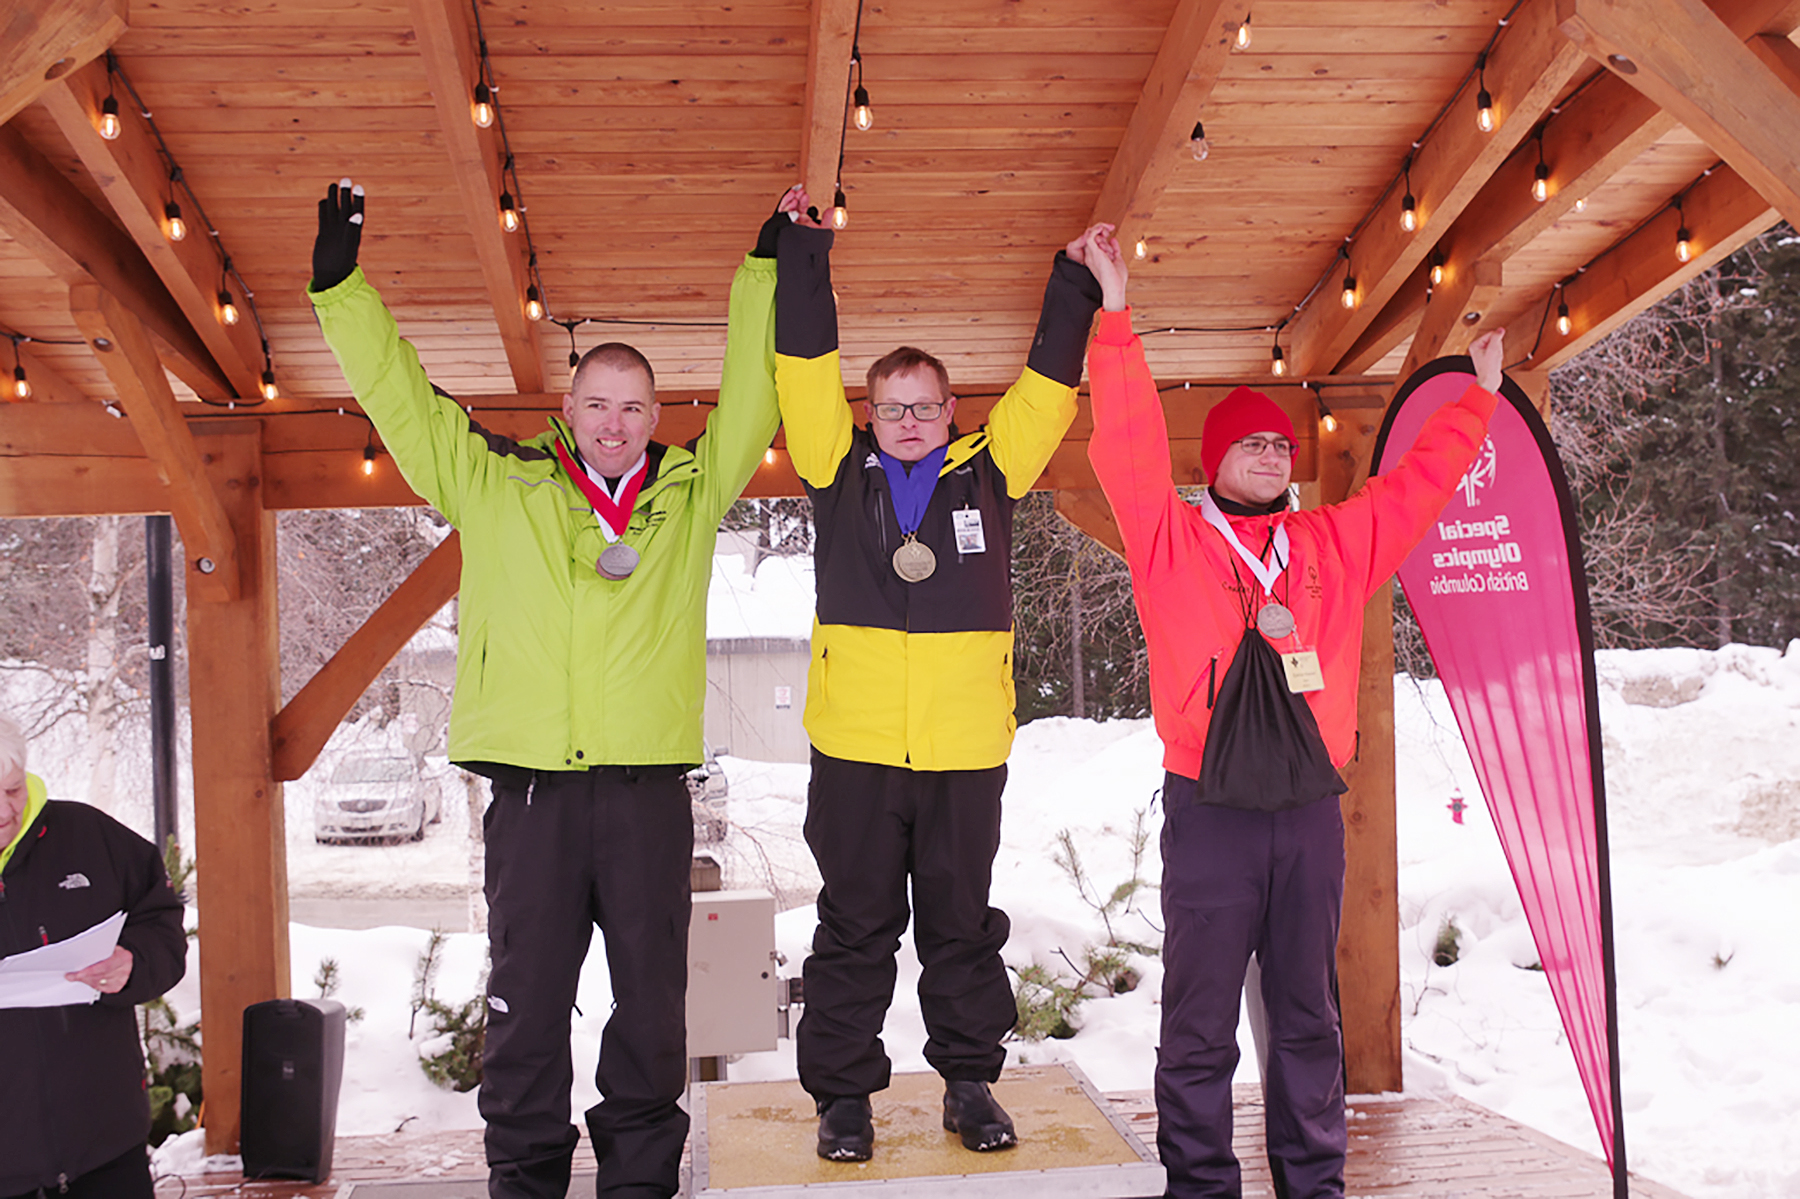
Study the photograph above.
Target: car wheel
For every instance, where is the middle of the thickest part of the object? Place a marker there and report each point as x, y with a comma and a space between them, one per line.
419, 833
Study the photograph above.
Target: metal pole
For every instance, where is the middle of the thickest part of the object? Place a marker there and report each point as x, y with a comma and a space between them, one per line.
160, 583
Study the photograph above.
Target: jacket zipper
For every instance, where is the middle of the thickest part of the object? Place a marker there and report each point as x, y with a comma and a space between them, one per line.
1212, 669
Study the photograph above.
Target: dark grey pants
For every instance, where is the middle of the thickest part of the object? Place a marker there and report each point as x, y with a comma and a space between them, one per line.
1235, 883
871, 828
608, 847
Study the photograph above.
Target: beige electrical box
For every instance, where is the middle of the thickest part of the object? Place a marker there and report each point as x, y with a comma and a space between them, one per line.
732, 984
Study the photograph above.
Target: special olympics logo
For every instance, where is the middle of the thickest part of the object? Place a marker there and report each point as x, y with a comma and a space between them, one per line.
1481, 475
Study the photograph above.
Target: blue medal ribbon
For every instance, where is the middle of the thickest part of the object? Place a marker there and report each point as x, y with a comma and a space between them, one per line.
911, 492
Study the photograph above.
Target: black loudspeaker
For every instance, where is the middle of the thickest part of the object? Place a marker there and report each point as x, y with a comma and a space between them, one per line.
293, 1065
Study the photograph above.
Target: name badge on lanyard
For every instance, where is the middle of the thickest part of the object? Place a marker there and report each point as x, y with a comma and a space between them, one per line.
966, 523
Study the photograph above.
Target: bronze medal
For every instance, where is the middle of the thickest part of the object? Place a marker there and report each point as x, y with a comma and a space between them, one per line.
617, 561
914, 561
1275, 621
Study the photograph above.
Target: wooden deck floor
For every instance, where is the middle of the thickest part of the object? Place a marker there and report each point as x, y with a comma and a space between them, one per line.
1400, 1148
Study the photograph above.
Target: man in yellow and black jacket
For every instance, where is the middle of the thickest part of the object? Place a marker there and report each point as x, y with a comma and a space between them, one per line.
910, 694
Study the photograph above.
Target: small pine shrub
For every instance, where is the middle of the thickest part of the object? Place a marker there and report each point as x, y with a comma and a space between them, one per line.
172, 1054
1449, 943
450, 1049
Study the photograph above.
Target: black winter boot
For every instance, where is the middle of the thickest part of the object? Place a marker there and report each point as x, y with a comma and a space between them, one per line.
970, 1110
846, 1133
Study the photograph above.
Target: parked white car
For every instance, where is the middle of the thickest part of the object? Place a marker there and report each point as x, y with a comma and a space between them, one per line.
377, 797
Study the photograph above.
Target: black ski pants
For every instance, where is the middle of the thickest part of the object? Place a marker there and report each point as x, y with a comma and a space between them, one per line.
870, 828
566, 851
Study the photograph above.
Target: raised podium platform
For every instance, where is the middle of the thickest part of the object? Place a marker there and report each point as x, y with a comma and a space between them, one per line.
756, 1140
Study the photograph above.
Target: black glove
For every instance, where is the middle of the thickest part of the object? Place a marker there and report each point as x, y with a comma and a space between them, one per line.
770, 234
340, 235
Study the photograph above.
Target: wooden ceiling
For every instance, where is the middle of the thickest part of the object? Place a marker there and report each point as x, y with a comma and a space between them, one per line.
649, 139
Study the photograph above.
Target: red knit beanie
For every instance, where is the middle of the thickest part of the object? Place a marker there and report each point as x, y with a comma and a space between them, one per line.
1235, 417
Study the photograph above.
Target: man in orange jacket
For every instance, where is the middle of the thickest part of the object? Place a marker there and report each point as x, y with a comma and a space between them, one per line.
1253, 615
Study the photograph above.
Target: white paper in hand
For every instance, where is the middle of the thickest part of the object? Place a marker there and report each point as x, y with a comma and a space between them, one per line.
35, 978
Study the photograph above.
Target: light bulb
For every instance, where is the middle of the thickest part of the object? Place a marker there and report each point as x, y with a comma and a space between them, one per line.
769, 456
840, 210
1564, 325
368, 460
1349, 296
534, 304
1437, 269
1484, 111
1277, 363
109, 124
1540, 183
1198, 143
228, 310
865, 116
1684, 250
1409, 213
269, 390
1328, 423
176, 227
483, 112
509, 214
1243, 34
1141, 250
21, 385
1581, 204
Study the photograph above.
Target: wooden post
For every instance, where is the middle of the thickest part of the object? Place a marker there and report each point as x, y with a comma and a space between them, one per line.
1369, 941
239, 827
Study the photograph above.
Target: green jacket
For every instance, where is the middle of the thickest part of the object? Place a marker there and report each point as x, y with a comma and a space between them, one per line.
558, 668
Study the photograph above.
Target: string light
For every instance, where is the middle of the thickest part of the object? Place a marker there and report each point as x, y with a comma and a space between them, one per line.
483, 110
1141, 250
1409, 205
1242, 41
840, 209
534, 304
21, 387
509, 213
1564, 323
769, 456
1484, 100
1581, 204
1437, 267
1198, 144
1684, 249
109, 124
1277, 363
369, 459
228, 310
1349, 296
1540, 179
269, 390
865, 115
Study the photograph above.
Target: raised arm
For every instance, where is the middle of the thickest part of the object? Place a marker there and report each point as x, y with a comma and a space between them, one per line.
808, 376
1028, 423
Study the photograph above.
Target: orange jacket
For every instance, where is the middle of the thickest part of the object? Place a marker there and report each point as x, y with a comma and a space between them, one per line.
1189, 597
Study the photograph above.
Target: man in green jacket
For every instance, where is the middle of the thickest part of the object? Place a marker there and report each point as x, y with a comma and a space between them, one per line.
580, 680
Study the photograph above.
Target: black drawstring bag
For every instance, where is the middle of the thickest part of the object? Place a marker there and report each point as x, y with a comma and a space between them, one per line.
1264, 751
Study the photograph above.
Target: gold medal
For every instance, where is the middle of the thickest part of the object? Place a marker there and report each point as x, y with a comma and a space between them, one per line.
914, 561
617, 561
1275, 621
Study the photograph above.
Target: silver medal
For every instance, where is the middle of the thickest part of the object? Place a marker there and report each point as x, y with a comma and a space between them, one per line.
617, 561
914, 561
1275, 621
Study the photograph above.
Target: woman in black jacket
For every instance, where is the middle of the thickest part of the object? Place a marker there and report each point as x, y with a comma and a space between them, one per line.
74, 1113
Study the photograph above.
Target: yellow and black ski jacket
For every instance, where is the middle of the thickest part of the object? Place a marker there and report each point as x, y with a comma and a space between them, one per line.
915, 674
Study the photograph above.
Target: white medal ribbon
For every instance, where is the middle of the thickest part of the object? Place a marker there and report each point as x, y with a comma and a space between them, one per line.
1266, 573
611, 493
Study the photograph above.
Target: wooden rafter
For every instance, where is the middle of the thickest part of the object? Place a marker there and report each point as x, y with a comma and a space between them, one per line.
120, 342
57, 224
1682, 56
827, 90
47, 40
1157, 137
132, 177
1088, 511
1530, 65
446, 43
47, 386
1722, 212
1601, 129
300, 730
1447, 327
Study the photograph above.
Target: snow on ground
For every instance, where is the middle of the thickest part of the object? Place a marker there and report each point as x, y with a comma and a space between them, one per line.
1703, 772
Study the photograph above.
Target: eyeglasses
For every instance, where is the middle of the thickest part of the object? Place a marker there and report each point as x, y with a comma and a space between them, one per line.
1256, 447
924, 410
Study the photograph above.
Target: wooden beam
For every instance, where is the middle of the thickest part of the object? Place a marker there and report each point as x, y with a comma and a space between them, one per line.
1599, 130
1679, 54
1158, 136
132, 177
827, 96
446, 43
1722, 212
300, 730
1531, 64
240, 839
55, 223
46, 40
123, 347
1088, 511
1447, 327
